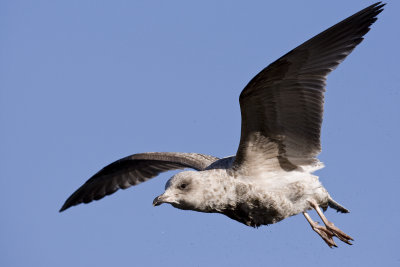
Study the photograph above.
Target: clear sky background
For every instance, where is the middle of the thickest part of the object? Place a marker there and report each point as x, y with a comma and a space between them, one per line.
84, 83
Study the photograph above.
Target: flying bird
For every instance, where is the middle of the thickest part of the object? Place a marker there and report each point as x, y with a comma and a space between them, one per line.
271, 176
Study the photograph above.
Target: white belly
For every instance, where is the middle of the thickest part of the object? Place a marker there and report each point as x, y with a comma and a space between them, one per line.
274, 197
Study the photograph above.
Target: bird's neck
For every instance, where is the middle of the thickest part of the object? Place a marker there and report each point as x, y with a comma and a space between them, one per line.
219, 190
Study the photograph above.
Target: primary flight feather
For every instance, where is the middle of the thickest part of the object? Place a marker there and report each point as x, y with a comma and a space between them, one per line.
270, 178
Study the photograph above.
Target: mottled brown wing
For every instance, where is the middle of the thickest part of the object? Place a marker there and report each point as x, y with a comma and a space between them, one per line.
282, 106
133, 170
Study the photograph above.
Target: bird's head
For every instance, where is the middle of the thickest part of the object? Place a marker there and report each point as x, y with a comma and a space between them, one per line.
183, 191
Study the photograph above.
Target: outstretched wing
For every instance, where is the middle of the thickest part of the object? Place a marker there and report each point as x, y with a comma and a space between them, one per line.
282, 106
133, 170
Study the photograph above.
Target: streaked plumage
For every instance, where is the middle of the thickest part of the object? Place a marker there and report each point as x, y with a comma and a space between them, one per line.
270, 178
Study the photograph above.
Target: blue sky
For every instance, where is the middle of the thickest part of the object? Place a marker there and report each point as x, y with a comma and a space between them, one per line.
83, 83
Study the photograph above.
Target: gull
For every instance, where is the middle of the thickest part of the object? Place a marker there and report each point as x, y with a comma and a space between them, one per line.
271, 176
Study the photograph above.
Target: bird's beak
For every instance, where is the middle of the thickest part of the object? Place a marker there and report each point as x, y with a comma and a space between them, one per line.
159, 200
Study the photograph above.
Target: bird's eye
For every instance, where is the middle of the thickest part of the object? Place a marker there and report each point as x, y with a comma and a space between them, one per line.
182, 186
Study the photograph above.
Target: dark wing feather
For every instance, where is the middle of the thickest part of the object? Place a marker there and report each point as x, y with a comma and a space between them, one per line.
282, 106
133, 170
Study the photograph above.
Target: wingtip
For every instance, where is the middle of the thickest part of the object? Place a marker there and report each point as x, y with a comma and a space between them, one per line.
64, 207
378, 6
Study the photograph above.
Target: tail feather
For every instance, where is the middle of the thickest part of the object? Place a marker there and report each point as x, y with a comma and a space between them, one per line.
339, 208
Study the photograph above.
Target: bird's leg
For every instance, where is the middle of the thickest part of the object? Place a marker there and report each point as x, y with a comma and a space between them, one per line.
331, 227
322, 231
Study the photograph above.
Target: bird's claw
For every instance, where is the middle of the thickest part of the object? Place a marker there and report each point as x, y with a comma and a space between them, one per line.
325, 234
339, 233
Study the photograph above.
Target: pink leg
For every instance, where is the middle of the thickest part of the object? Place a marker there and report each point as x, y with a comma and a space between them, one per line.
322, 231
331, 227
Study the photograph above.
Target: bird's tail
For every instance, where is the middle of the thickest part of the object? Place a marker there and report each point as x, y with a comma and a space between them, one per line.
339, 208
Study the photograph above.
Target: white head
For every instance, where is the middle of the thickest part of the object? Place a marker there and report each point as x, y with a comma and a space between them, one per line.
185, 190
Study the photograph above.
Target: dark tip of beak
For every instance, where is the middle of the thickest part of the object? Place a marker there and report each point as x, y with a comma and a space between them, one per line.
158, 201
